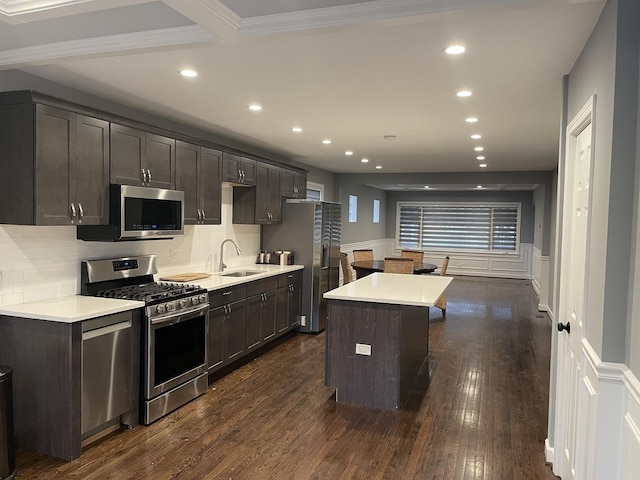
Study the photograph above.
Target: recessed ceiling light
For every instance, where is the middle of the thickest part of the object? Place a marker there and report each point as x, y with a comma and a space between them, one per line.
479, 186
454, 50
480, 157
365, 160
482, 165
476, 136
254, 107
348, 152
478, 149
427, 186
378, 167
326, 141
296, 129
464, 93
471, 119
186, 72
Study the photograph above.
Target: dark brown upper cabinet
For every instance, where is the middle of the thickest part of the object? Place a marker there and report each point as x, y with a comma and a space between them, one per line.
198, 172
55, 165
142, 158
238, 170
262, 204
294, 184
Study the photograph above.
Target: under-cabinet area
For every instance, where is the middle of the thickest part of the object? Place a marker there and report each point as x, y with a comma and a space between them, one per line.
64, 156
86, 365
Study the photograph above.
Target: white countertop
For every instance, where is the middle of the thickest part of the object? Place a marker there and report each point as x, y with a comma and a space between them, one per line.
76, 308
217, 280
394, 288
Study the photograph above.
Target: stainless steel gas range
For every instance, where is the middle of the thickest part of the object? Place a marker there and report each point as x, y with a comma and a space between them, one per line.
174, 329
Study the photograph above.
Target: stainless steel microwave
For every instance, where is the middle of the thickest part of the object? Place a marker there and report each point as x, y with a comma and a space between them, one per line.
139, 213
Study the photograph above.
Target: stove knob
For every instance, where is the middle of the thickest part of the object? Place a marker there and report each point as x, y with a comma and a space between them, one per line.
194, 300
182, 302
160, 308
203, 298
170, 306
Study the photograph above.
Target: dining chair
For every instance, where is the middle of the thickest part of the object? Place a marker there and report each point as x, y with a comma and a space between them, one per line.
347, 274
416, 255
398, 265
442, 301
364, 255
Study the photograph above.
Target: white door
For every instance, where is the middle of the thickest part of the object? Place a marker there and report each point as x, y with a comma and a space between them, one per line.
570, 447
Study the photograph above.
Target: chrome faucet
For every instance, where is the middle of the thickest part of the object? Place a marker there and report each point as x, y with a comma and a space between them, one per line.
222, 265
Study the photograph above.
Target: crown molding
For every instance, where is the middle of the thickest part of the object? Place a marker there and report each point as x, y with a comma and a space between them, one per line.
213, 15
48, 53
364, 12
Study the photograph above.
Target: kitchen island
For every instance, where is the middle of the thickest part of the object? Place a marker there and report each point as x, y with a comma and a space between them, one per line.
377, 339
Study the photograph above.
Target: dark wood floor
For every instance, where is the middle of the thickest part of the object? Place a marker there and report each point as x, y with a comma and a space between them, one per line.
484, 415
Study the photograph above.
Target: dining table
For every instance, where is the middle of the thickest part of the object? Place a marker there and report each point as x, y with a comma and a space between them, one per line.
367, 267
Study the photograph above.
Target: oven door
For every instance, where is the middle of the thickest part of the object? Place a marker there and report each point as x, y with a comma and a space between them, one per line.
176, 349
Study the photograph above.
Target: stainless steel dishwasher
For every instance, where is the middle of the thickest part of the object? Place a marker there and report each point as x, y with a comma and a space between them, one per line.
106, 371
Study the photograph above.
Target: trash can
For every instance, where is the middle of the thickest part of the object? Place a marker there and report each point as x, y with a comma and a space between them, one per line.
7, 446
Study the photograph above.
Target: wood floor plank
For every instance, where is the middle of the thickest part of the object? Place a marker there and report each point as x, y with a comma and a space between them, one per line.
483, 417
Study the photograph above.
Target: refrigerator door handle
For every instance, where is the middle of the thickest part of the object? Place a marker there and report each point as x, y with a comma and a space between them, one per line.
325, 257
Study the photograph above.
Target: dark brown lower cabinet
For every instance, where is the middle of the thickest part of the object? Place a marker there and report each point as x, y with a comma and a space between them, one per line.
288, 302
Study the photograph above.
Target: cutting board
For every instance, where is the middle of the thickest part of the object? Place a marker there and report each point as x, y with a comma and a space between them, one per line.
185, 277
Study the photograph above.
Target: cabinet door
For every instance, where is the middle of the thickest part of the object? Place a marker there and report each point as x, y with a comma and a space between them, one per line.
187, 163
300, 185
210, 189
90, 171
288, 181
254, 309
160, 161
282, 310
294, 305
216, 338
235, 326
268, 316
262, 194
275, 198
230, 168
55, 139
128, 150
249, 170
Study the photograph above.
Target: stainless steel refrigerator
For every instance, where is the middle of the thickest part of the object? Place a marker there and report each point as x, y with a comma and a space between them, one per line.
311, 230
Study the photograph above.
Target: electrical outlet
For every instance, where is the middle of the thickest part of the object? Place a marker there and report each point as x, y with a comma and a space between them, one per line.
363, 349
303, 320
174, 254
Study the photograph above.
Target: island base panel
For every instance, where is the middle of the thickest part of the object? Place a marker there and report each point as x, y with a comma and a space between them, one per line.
396, 369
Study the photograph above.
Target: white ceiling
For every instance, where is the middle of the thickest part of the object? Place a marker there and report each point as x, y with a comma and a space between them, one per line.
352, 71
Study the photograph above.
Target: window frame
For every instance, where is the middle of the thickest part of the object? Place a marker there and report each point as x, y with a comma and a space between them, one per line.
517, 205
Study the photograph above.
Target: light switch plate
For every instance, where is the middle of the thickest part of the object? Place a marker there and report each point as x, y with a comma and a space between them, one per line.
363, 349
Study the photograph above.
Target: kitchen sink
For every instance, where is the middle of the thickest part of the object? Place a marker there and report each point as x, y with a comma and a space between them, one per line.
243, 273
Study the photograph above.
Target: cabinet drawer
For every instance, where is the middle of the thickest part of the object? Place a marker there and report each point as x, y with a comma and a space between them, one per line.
289, 278
260, 286
223, 296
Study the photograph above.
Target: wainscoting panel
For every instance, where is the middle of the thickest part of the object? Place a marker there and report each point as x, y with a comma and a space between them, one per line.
608, 420
540, 279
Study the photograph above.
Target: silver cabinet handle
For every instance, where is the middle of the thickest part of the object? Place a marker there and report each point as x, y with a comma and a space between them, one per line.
144, 176
204, 215
73, 213
81, 212
199, 214
149, 175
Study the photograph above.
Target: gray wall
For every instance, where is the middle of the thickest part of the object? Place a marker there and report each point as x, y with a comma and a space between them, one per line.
364, 228
608, 68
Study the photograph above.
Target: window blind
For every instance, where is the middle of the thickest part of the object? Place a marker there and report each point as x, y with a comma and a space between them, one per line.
456, 226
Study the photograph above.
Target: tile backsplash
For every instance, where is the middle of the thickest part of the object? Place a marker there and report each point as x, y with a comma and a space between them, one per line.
37, 263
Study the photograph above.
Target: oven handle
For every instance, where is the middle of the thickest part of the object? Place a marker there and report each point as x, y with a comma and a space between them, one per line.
181, 315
